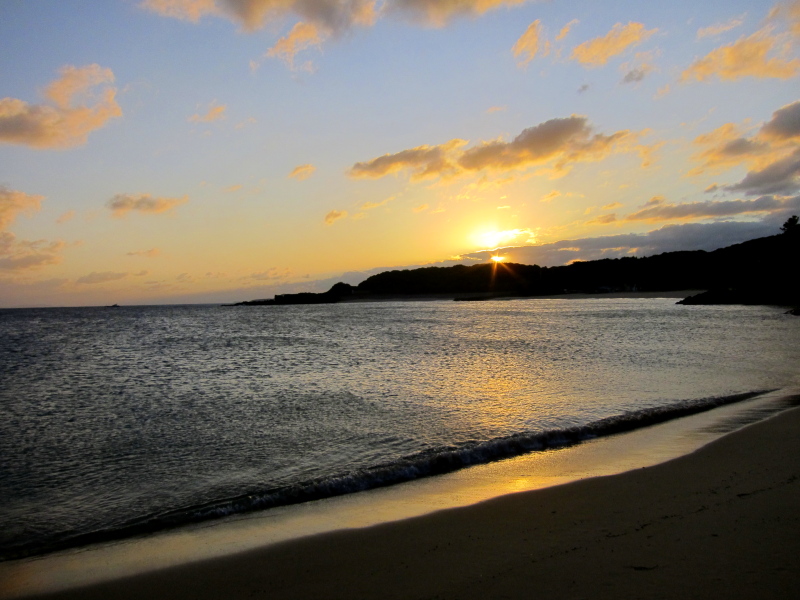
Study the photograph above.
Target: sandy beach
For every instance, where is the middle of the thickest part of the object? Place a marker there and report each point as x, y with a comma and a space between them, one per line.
721, 522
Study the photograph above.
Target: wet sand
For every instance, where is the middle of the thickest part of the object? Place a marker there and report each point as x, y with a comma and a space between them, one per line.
722, 522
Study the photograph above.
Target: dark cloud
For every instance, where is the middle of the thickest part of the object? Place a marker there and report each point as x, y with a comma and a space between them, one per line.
781, 177
713, 209
785, 123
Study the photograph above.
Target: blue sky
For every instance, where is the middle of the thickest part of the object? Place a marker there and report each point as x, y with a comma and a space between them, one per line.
214, 150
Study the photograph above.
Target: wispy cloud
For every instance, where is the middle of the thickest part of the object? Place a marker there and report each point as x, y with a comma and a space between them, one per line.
720, 28
14, 202
598, 51
96, 277
67, 216
215, 112
23, 255
664, 211
122, 204
566, 29
334, 216
151, 253
302, 37
75, 110
302, 172
760, 55
530, 44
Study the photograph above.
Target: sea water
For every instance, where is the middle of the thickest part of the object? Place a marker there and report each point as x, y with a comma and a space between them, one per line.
115, 421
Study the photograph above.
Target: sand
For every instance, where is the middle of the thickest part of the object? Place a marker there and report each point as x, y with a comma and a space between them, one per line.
722, 522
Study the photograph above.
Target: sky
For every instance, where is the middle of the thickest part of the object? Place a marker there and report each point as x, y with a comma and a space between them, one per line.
192, 151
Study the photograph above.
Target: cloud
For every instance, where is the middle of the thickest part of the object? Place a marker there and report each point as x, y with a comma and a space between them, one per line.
215, 112
551, 196
664, 211
371, 205
100, 277
152, 253
561, 142
251, 15
438, 13
719, 28
747, 57
494, 109
334, 216
420, 208
780, 177
773, 142
22, 255
301, 37
598, 51
122, 204
67, 216
636, 75
422, 161
584, 88
302, 172
603, 219
565, 140
784, 124
272, 274
14, 202
788, 12
565, 30
73, 113
530, 44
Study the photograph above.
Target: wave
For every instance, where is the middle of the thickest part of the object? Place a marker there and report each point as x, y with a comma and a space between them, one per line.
433, 461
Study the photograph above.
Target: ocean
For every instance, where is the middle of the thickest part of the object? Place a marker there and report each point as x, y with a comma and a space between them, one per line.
119, 421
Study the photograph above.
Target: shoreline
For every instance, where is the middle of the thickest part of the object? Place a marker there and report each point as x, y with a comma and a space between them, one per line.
444, 551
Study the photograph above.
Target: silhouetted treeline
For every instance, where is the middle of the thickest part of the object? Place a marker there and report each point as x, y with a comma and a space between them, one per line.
766, 263
760, 271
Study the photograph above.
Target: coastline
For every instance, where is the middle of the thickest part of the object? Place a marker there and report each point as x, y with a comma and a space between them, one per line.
720, 521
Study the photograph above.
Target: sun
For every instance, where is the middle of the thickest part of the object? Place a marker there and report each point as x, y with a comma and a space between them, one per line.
498, 259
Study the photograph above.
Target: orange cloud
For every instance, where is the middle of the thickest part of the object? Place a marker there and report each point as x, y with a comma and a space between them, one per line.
603, 219
334, 216
561, 142
122, 204
727, 146
70, 118
565, 30
437, 13
302, 172
22, 255
215, 113
596, 52
423, 161
530, 44
301, 37
747, 57
14, 202
251, 15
